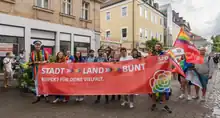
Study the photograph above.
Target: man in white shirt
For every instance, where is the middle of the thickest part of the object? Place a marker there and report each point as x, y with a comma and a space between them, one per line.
128, 99
7, 68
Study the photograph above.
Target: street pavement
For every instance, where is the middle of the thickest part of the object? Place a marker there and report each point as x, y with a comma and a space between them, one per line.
16, 105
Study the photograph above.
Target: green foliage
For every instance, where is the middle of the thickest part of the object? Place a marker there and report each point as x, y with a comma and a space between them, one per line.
216, 43
52, 58
25, 79
150, 44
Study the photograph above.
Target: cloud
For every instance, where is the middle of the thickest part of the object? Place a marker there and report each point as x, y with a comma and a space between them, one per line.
203, 15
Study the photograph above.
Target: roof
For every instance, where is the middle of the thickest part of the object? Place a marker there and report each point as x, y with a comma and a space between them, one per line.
113, 2
110, 3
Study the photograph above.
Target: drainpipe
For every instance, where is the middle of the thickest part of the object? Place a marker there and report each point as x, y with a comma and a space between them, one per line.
133, 18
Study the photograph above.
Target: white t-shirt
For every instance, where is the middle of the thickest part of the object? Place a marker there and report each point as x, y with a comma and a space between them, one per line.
7, 64
126, 58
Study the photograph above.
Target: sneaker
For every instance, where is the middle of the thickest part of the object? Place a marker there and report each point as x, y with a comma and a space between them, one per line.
153, 107
195, 97
181, 96
46, 99
189, 98
36, 101
167, 109
77, 99
56, 100
80, 99
131, 105
124, 103
202, 99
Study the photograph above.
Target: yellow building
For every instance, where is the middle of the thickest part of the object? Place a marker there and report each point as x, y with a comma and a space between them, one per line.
130, 23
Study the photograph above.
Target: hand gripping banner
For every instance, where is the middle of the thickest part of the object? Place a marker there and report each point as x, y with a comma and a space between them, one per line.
140, 76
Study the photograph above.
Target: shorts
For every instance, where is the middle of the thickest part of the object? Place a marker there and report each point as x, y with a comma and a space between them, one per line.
190, 83
8, 75
179, 79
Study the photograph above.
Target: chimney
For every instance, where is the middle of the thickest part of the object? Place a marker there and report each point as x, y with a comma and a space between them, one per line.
177, 15
156, 5
152, 3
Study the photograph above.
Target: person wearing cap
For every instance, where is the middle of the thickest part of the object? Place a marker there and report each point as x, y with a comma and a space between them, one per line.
204, 72
38, 56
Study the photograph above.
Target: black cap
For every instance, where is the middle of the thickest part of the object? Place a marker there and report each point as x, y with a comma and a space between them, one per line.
37, 42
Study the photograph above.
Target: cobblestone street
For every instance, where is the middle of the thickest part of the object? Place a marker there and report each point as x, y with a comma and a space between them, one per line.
17, 105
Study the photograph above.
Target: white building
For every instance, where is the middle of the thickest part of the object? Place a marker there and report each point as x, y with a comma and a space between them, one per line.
54, 37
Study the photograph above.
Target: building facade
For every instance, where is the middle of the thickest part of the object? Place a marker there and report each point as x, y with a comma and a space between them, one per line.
130, 23
173, 23
61, 25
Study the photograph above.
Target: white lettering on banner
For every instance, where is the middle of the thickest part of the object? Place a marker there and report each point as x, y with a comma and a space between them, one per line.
50, 79
93, 70
64, 79
52, 71
163, 58
92, 79
132, 68
76, 79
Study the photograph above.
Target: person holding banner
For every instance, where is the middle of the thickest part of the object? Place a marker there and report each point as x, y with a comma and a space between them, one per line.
91, 56
128, 99
38, 57
60, 58
162, 96
101, 58
205, 72
79, 59
185, 83
69, 57
114, 59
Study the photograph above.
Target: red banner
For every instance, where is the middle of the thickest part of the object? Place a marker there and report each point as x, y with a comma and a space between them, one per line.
141, 76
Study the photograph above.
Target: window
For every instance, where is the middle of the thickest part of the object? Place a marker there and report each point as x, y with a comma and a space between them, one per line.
151, 35
146, 34
152, 17
155, 18
67, 7
107, 34
146, 14
141, 11
141, 33
161, 21
156, 35
124, 11
124, 33
43, 3
85, 10
108, 15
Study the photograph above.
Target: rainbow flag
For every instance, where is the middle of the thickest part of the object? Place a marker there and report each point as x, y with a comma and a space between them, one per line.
182, 38
191, 52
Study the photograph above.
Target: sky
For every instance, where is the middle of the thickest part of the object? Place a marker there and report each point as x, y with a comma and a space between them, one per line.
203, 15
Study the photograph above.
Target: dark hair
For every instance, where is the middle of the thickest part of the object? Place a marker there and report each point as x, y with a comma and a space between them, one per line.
90, 51
134, 49
8, 53
159, 44
78, 59
99, 49
123, 49
58, 59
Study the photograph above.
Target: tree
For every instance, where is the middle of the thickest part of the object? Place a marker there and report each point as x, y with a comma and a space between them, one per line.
150, 44
216, 43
